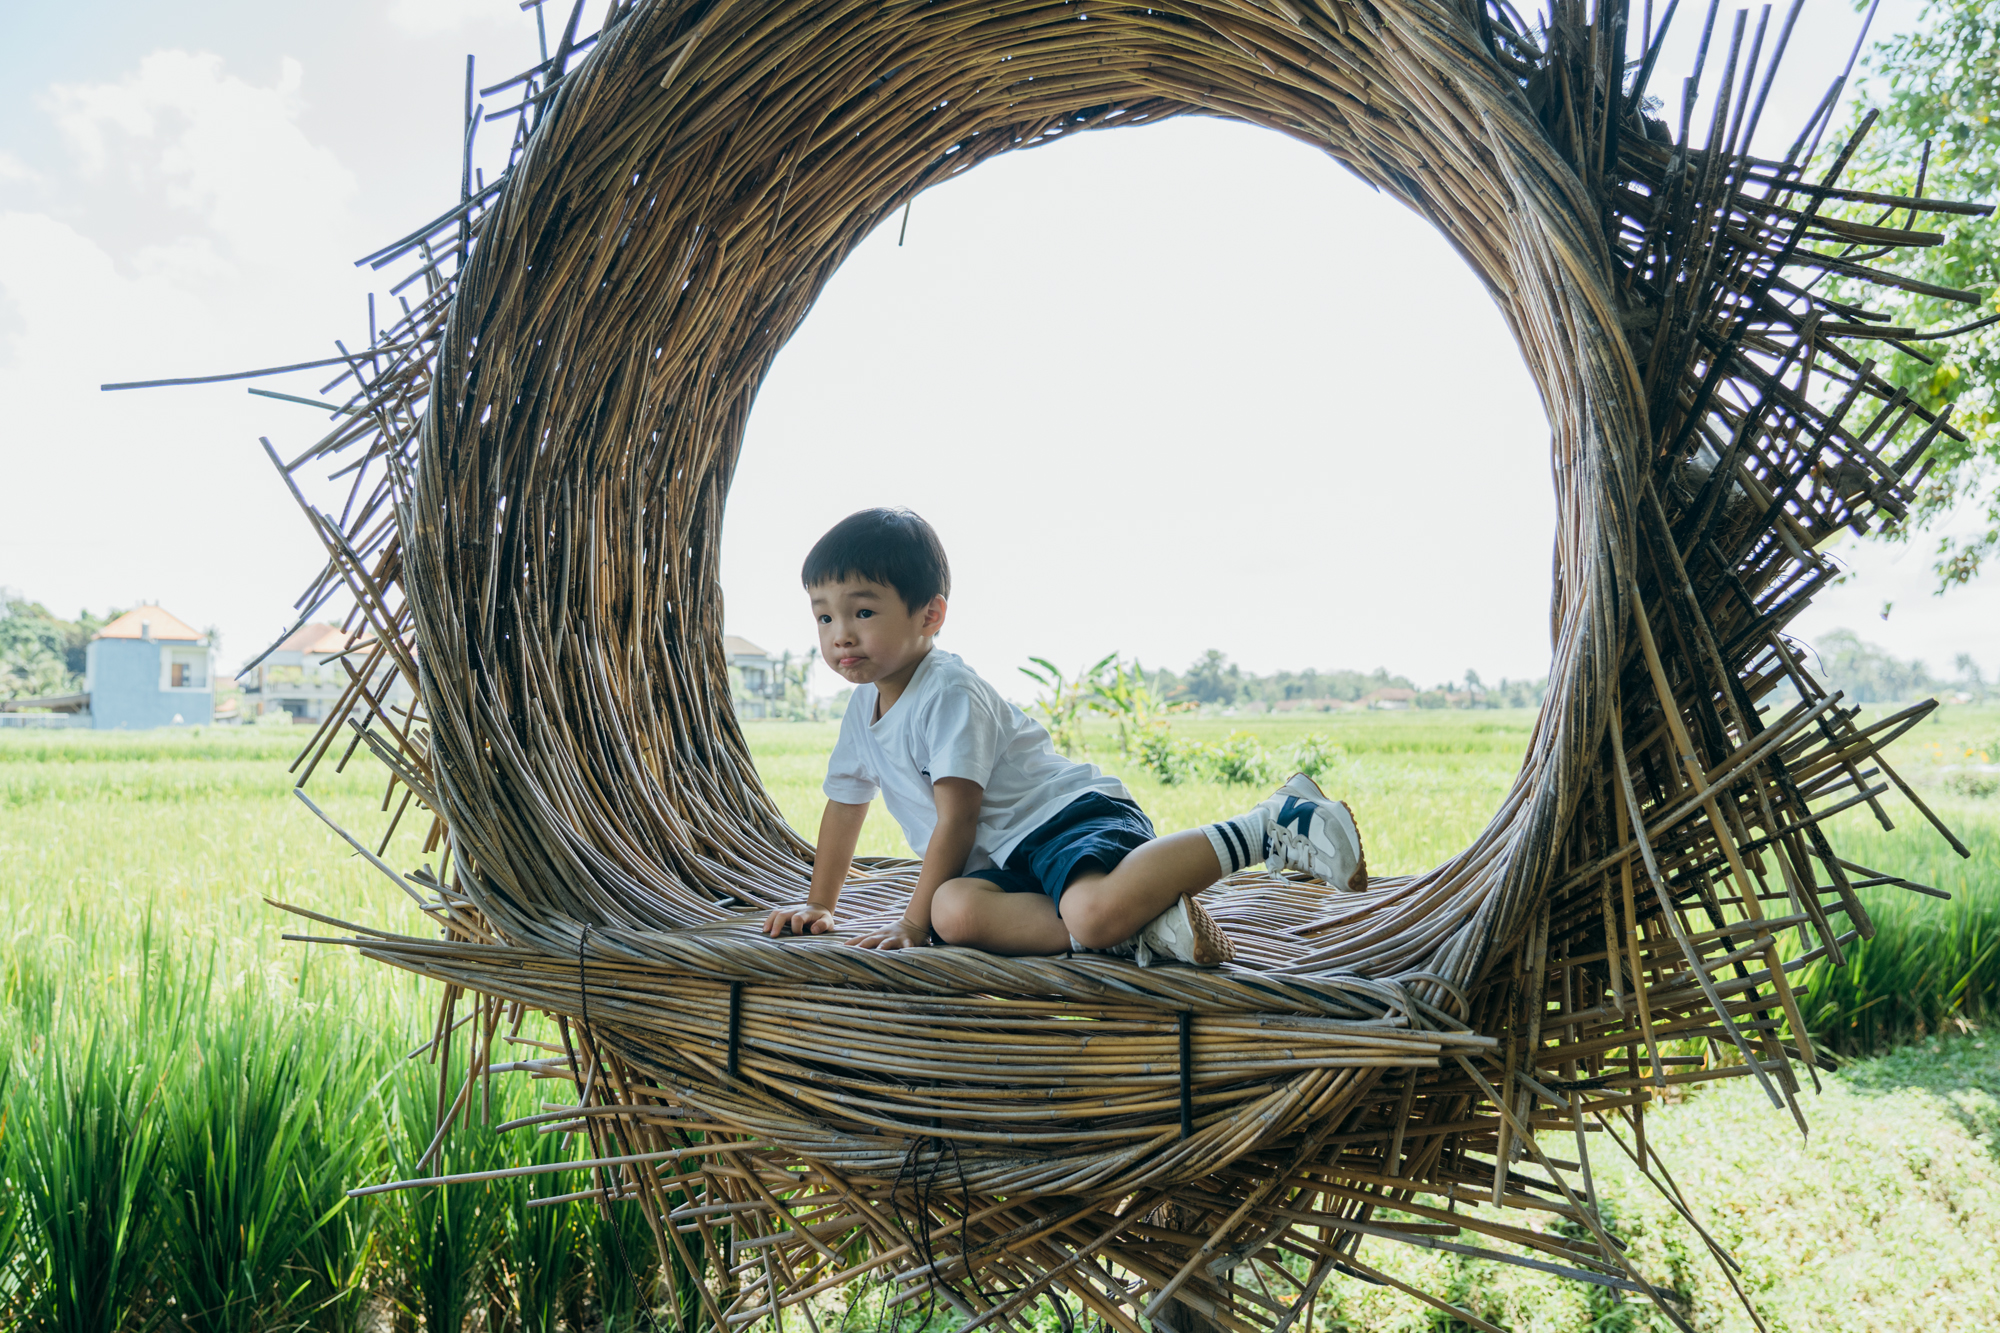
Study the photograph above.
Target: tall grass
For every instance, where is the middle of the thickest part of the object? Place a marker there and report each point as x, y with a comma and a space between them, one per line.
256, 1158
86, 1142
444, 1238
1932, 966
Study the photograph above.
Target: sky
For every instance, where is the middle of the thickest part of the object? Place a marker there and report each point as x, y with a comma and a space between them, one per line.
1183, 387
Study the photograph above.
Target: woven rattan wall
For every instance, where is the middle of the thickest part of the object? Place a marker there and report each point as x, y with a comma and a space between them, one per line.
542, 449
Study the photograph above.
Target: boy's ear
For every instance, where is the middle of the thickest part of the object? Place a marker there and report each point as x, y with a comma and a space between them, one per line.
934, 610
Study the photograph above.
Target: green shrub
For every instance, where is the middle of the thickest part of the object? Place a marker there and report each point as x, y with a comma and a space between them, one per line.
10, 1204
1173, 759
1315, 754
1242, 761
1977, 786
624, 1267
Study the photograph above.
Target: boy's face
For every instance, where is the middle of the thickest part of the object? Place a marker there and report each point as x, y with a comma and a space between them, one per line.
865, 631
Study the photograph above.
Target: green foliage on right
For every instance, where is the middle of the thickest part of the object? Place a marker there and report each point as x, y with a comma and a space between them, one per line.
1939, 82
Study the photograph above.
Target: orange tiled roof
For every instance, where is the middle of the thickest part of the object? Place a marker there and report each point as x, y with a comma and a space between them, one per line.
319, 638
164, 625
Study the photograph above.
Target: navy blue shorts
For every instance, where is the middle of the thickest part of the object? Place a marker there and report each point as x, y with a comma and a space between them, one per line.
1093, 832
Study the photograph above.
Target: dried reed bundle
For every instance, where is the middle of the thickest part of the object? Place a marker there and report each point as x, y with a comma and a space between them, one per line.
541, 449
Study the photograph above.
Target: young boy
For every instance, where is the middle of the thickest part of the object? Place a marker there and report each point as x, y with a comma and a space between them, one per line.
1024, 851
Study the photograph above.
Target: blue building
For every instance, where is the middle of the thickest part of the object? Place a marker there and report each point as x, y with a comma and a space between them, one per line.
148, 669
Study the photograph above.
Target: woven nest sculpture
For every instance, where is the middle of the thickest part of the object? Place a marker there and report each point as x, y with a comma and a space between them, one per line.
541, 449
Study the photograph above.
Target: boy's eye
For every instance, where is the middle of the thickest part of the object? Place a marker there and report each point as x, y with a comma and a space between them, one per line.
826, 620
863, 614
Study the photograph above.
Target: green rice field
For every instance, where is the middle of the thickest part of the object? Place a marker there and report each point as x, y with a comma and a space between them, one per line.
186, 1096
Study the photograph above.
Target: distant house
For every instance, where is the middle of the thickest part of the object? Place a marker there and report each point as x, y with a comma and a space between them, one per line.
1321, 705
149, 669
1390, 696
308, 674
759, 675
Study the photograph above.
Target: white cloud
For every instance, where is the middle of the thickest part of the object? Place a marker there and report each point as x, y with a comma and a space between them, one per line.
194, 228
214, 148
14, 169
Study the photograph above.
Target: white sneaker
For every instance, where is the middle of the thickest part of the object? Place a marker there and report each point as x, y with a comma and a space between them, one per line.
1309, 832
1184, 933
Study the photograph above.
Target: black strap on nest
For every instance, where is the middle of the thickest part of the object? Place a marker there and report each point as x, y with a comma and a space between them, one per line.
735, 1027
1187, 1072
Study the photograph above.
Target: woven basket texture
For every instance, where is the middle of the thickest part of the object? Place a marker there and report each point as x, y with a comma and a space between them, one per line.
541, 450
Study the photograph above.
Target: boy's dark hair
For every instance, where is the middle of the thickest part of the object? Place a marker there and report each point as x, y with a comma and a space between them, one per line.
892, 546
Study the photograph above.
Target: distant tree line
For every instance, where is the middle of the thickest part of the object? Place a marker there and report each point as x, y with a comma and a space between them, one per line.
41, 653
1214, 679
1870, 674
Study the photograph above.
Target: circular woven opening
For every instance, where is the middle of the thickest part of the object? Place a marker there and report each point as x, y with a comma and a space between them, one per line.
1188, 387
697, 183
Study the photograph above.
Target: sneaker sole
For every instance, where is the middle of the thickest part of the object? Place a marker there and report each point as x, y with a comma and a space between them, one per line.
1211, 946
1357, 881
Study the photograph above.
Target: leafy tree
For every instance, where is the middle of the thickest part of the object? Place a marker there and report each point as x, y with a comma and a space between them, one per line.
1869, 673
1214, 679
40, 653
1517, 693
1939, 85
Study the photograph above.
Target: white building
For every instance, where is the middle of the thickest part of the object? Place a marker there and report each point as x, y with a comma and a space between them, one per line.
757, 677
309, 673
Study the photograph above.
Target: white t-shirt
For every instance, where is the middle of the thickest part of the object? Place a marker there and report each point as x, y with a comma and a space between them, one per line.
949, 723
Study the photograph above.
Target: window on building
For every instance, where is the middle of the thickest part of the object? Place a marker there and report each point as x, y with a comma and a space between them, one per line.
187, 668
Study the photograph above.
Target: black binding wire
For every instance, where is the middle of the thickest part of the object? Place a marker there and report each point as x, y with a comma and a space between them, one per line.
1187, 1072
924, 1181
735, 1027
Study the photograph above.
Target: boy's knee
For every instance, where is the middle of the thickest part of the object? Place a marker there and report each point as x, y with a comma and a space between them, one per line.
1088, 924
952, 910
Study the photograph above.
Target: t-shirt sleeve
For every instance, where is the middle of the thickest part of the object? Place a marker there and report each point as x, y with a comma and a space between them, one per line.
849, 778
964, 733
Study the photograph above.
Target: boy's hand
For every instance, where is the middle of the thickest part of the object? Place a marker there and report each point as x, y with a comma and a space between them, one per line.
805, 919
902, 935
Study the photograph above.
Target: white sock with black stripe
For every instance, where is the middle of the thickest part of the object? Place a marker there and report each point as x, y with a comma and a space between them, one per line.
1240, 842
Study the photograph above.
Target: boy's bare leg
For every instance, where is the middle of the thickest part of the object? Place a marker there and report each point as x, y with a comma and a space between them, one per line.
1102, 910
980, 914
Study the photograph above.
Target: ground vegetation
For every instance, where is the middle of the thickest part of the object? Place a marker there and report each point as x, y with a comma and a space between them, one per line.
186, 1096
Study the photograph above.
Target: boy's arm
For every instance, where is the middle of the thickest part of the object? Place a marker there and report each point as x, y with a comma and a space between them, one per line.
951, 843
839, 832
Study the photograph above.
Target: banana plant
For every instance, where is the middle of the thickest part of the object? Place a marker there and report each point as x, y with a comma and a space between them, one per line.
1066, 700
